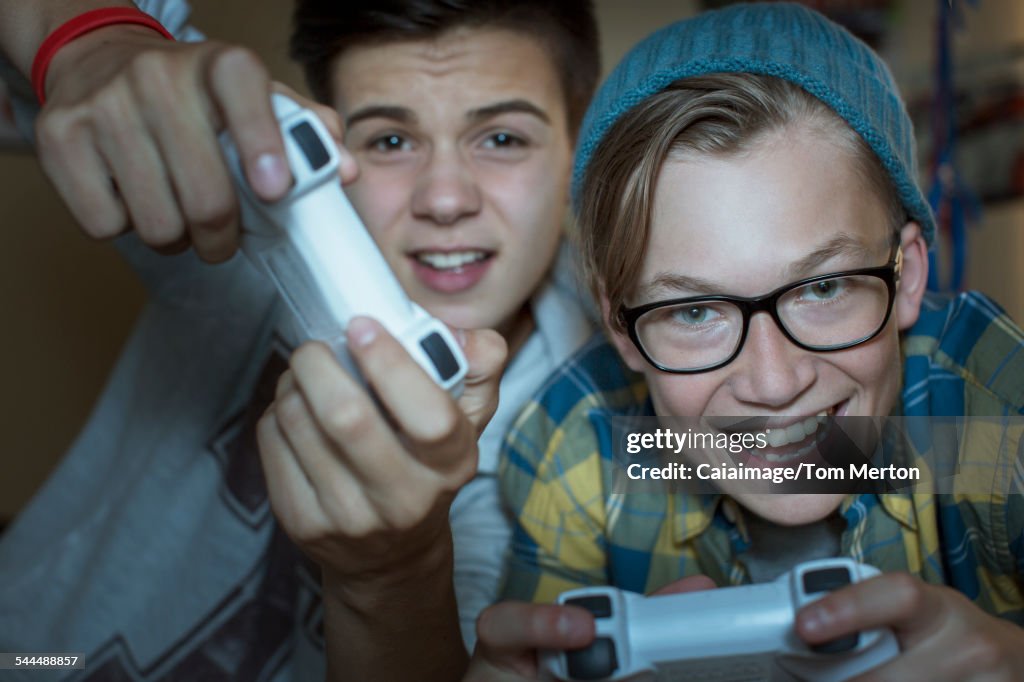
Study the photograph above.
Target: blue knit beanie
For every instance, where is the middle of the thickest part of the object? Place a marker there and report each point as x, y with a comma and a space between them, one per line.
777, 39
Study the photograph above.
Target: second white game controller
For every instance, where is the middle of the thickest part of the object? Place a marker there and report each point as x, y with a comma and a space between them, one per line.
326, 266
734, 634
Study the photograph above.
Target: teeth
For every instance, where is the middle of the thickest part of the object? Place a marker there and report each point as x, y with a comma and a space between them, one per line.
449, 260
786, 458
794, 433
790, 455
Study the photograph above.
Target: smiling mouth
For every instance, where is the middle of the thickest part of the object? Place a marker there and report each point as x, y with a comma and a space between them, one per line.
803, 435
451, 261
788, 439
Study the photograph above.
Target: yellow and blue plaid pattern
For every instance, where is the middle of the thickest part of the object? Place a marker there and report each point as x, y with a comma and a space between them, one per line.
963, 357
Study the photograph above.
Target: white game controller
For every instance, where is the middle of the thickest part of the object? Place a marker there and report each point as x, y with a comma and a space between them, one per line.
734, 634
315, 249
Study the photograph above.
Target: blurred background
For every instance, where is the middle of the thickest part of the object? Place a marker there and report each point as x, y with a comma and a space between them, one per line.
70, 302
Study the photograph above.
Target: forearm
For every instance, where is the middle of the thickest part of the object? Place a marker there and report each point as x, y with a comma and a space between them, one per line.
403, 625
24, 24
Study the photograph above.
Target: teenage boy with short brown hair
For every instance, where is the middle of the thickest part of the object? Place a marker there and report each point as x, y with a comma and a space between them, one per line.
459, 120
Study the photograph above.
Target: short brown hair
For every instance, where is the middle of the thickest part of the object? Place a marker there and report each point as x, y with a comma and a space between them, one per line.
567, 29
716, 114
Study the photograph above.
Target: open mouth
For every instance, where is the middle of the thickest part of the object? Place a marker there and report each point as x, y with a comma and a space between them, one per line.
451, 261
794, 441
788, 439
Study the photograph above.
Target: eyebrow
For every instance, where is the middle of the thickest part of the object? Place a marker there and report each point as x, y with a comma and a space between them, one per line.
513, 106
672, 282
395, 113
408, 116
841, 244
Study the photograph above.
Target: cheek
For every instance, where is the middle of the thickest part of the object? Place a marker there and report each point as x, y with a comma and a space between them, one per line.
379, 197
875, 369
532, 195
681, 396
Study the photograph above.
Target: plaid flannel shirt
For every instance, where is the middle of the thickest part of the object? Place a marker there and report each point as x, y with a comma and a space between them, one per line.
963, 357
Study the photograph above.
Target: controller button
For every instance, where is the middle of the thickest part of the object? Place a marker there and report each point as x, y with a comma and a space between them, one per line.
599, 605
596, 662
316, 154
445, 363
825, 580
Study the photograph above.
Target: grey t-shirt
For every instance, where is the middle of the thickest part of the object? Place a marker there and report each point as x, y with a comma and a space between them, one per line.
775, 549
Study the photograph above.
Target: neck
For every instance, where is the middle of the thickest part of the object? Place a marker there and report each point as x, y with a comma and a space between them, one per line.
517, 329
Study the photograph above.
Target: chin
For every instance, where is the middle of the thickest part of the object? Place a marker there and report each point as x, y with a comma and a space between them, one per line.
461, 315
790, 509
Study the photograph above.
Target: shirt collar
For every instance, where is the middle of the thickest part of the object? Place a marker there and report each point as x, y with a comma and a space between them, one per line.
692, 514
900, 506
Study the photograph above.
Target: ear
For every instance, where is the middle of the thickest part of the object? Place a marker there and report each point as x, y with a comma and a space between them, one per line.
914, 278
620, 339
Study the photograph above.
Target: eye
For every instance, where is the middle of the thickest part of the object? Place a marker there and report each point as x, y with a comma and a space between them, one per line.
389, 143
824, 290
503, 140
692, 314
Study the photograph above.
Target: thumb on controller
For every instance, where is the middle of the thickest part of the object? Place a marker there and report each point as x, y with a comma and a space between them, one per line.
485, 352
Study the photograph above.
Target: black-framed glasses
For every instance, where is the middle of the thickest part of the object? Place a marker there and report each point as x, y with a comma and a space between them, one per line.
822, 313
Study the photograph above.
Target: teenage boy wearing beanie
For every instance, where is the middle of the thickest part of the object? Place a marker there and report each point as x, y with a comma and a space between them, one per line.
739, 154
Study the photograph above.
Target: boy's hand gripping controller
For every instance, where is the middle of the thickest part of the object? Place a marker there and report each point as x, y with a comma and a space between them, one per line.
733, 634
324, 263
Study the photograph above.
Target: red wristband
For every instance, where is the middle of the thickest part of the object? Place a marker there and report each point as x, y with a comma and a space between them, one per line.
79, 26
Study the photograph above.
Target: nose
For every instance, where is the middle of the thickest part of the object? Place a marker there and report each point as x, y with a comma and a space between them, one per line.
446, 189
771, 372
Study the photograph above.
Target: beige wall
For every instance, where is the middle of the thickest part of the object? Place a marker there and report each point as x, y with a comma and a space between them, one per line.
625, 22
70, 302
995, 253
